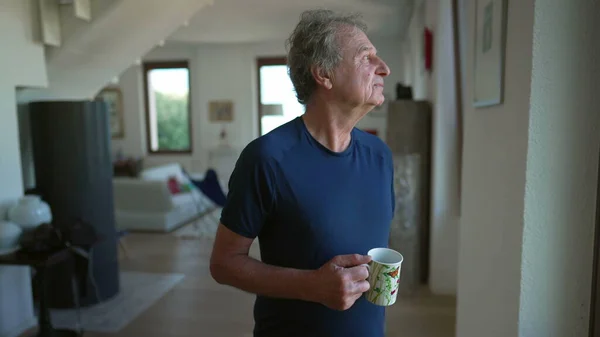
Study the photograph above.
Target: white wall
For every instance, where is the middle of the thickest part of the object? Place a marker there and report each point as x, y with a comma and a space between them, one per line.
495, 151
220, 71
493, 186
17, 27
530, 177
562, 166
438, 87
91, 53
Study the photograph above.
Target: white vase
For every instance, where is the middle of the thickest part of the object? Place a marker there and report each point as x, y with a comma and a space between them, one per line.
10, 234
30, 212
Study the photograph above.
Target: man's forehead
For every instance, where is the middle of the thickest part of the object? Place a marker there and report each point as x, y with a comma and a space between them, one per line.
356, 42
366, 47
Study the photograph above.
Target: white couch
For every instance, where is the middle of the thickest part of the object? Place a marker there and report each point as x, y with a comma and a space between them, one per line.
146, 203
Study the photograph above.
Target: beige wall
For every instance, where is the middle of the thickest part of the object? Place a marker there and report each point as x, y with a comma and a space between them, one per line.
562, 169
221, 72
530, 176
493, 187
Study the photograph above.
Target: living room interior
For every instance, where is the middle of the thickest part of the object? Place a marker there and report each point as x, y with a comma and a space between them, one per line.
484, 212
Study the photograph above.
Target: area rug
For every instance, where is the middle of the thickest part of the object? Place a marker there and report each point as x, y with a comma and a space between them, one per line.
138, 292
205, 227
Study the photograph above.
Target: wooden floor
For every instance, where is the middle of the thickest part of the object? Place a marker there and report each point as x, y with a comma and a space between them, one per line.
198, 306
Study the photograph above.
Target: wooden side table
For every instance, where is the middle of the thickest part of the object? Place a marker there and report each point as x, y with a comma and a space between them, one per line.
40, 262
127, 168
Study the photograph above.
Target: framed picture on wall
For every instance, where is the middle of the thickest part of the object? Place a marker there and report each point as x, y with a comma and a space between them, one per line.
490, 36
220, 111
114, 99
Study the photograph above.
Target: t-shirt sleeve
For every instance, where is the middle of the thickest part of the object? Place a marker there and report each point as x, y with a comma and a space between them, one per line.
251, 196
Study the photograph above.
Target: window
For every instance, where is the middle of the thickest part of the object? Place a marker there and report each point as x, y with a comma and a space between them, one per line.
275, 87
168, 122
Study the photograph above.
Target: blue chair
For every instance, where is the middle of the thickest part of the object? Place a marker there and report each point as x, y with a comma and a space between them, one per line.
210, 186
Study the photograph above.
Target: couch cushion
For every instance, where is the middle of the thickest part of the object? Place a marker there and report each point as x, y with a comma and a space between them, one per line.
139, 195
163, 172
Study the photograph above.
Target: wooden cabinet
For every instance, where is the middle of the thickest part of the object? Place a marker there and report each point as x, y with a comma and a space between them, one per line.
408, 135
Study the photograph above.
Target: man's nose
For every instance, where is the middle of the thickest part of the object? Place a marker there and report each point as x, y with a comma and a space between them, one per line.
382, 69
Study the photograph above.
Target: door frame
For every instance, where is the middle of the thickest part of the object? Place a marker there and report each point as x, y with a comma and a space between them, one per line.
594, 325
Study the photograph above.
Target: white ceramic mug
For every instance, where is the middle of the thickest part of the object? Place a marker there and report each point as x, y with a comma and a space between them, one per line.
384, 276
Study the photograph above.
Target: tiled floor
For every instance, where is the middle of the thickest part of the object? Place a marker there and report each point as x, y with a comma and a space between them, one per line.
198, 306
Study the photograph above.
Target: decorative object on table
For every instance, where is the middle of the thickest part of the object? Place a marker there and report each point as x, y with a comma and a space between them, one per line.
271, 110
45, 248
10, 234
409, 137
113, 98
403, 92
220, 111
41, 262
490, 36
30, 212
128, 167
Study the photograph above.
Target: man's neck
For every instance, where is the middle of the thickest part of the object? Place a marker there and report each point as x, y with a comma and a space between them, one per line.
330, 125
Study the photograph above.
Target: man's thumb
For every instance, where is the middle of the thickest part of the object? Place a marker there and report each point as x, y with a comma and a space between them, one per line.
351, 260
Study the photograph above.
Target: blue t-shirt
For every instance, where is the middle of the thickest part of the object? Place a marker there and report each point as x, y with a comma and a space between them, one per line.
307, 204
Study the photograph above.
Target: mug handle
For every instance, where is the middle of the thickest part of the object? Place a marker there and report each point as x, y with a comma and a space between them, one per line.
368, 269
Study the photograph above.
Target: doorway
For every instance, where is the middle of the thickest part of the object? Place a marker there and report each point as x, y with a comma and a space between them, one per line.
277, 102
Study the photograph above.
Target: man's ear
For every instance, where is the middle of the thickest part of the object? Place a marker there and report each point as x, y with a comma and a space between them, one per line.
322, 78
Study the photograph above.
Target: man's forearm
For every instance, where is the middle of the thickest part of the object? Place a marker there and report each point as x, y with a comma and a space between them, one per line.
248, 274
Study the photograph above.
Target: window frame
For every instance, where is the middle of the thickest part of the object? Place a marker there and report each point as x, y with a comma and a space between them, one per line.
146, 68
261, 62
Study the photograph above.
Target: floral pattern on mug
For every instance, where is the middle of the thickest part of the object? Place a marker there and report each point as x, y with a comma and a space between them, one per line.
384, 281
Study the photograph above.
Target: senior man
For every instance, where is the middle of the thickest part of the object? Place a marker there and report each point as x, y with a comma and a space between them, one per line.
316, 192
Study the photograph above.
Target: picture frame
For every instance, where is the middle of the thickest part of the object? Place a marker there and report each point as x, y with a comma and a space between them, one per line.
220, 111
489, 50
113, 97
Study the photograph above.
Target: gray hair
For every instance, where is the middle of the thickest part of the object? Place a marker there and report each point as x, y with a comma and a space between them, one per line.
314, 42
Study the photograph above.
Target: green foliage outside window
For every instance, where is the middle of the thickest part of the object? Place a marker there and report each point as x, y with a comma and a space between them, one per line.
172, 122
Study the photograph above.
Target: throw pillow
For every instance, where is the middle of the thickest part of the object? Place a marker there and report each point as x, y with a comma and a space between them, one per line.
173, 185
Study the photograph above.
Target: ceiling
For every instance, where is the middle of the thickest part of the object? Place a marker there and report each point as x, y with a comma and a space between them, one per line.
235, 21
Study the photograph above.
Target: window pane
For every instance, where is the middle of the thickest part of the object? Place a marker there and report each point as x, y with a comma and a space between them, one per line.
168, 93
276, 87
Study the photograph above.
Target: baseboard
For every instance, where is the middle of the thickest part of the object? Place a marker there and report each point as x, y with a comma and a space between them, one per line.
24, 326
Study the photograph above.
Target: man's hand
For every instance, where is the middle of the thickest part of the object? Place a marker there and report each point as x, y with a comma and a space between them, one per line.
341, 281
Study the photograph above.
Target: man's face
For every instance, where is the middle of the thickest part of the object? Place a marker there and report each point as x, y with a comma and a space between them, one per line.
358, 79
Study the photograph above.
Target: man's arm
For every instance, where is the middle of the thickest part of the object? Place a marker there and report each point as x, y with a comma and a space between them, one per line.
338, 284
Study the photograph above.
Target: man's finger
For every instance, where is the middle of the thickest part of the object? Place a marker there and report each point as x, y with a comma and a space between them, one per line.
361, 287
358, 273
351, 260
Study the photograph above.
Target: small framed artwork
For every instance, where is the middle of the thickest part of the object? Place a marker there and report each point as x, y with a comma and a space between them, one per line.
220, 111
114, 100
490, 35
